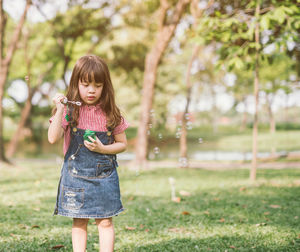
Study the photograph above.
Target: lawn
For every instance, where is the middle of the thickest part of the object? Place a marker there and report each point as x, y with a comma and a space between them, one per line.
224, 211
228, 139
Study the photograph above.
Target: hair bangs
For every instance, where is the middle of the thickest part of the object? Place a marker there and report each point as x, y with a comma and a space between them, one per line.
92, 71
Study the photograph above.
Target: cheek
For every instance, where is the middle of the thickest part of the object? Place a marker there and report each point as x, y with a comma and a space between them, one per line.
82, 91
100, 92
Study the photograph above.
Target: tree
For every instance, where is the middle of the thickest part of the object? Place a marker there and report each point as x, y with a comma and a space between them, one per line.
241, 90
236, 26
166, 29
85, 26
275, 75
6, 56
68, 34
32, 87
196, 13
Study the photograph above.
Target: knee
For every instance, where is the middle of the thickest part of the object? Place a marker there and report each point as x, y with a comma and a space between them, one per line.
80, 222
104, 223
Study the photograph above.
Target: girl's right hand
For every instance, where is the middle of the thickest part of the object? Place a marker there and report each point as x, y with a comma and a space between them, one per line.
57, 100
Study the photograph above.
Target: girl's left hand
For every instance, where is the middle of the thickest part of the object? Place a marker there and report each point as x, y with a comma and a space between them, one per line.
95, 145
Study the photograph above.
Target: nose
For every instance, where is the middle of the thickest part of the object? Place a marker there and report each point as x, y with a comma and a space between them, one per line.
91, 89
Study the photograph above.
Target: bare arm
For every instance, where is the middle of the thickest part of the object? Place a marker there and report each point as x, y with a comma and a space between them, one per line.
55, 131
118, 146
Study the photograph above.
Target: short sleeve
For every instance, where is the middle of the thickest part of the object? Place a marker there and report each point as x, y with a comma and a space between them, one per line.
121, 127
64, 123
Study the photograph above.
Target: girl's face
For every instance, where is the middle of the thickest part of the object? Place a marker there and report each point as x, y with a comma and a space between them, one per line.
90, 92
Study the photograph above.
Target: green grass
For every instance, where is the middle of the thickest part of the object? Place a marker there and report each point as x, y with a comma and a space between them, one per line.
231, 139
281, 140
226, 211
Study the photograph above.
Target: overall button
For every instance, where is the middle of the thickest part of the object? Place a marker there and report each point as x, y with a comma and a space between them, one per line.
108, 133
74, 129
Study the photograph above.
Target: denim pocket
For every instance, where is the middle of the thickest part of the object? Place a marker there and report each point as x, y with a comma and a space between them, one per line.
104, 168
78, 169
90, 167
72, 198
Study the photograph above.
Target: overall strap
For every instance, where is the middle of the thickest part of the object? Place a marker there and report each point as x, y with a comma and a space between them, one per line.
109, 134
69, 115
109, 130
69, 118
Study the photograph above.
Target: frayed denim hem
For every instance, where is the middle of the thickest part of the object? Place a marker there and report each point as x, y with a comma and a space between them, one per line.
89, 216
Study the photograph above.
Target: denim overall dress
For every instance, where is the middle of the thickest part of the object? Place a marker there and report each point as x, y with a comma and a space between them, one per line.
89, 182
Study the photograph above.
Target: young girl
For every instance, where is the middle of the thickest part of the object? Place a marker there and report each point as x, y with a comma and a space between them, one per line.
89, 182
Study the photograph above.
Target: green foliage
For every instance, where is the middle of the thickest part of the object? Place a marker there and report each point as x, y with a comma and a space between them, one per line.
228, 26
129, 57
275, 74
235, 33
139, 14
282, 126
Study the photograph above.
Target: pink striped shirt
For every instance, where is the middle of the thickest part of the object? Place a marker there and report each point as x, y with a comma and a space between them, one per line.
92, 118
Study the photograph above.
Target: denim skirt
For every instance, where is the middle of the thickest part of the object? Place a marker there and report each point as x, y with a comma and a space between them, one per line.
89, 181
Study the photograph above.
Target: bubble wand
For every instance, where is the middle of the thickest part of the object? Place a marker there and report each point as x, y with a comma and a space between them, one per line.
88, 133
65, 101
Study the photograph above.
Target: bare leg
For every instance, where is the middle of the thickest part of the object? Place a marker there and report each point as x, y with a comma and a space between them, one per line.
106, 234
79, 234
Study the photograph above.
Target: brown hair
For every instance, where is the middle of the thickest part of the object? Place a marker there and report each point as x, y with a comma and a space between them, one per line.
92, 68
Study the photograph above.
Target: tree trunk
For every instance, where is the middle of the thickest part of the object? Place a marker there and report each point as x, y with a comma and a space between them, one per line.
272, 121
197, 13
3, 75
165, 33
244, 122
245, 117
272, 126
12, 147
183, 144
286, 115
183, 135
5, 63
256, 90
214, 112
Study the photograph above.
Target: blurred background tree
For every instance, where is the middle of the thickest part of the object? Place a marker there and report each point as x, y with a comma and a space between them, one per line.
183, 80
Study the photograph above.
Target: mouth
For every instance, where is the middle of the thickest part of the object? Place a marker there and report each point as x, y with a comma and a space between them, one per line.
90, 98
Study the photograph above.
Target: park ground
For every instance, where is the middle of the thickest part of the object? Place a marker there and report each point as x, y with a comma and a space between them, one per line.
216, 210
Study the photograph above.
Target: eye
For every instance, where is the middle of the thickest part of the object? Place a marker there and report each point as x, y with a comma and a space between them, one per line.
84, 83
99, 85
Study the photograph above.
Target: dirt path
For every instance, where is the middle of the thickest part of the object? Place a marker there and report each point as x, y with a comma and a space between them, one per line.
210, 165
222, 165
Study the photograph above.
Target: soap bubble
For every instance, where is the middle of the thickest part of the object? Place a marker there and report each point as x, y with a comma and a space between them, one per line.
189, 125
200, 140
152, 113
160, 136
187, 116
178, 134
183, 162
156, 150
151, 155
171, 180
150, 125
